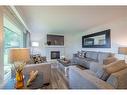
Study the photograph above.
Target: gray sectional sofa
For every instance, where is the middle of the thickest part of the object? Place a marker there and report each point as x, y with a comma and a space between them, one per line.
102, 71
85, 58
43, 68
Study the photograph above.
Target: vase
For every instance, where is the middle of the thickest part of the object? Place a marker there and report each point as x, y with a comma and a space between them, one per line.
19, 80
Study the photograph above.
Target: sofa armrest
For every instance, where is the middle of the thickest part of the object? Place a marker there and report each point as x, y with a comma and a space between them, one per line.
79, 79
118, 79
44, 68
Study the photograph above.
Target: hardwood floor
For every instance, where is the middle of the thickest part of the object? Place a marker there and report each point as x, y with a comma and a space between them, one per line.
58, 80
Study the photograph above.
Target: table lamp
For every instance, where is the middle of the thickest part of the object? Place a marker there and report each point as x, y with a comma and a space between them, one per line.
19, 57
123, 50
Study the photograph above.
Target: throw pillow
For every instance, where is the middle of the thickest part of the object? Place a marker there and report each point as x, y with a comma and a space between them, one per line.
116, 66
109, 60
83, 54
103, 55
32, 76
92, 55
38, 59
105, 71
79, 54
66, 61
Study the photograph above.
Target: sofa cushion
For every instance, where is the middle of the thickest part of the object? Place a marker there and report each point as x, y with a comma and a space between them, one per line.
116, 66
92, 55
94, 66
83, 63
90, 72
105, 71
118, 79
86, 62
109, 60
79, 79
103, 55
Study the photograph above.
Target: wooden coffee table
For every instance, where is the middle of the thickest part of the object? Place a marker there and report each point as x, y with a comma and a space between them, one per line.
63, 67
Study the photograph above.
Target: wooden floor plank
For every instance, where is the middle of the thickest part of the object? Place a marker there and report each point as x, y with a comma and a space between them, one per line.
57, 80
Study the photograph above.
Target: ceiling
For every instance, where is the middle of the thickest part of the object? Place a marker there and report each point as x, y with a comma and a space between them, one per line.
68, 18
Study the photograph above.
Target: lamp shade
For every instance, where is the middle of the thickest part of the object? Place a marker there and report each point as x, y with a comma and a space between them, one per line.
122, 50
19, 54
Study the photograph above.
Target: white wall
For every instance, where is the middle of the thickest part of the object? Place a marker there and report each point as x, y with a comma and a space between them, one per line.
118, 37
73, 43
73, 40
41, 37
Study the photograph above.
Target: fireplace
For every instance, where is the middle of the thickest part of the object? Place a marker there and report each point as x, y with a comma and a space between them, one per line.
55, 54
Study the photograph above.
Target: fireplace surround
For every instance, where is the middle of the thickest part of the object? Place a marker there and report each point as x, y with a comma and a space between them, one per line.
55, 54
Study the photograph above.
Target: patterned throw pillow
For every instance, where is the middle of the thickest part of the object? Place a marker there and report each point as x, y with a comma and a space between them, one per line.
38, 59
81, 54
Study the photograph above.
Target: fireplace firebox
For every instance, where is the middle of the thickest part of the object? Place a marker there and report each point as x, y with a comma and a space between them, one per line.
55, 54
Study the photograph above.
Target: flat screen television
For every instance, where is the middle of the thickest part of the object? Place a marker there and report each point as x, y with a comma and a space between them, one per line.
55, 39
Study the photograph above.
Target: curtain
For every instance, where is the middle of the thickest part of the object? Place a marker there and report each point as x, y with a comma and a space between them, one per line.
28, 39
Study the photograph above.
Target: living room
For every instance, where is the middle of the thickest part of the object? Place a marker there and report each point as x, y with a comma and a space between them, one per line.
56, 34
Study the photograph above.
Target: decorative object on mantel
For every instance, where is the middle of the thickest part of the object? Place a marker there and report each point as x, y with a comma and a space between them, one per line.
19, 57
123, 50
48, 42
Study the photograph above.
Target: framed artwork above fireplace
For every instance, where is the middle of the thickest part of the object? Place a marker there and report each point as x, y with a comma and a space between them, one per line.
55, 39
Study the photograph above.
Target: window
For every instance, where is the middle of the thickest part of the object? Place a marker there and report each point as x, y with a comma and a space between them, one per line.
13, 38
35, 44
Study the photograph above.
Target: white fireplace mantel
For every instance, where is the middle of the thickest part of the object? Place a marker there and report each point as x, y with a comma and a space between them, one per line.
54, 48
